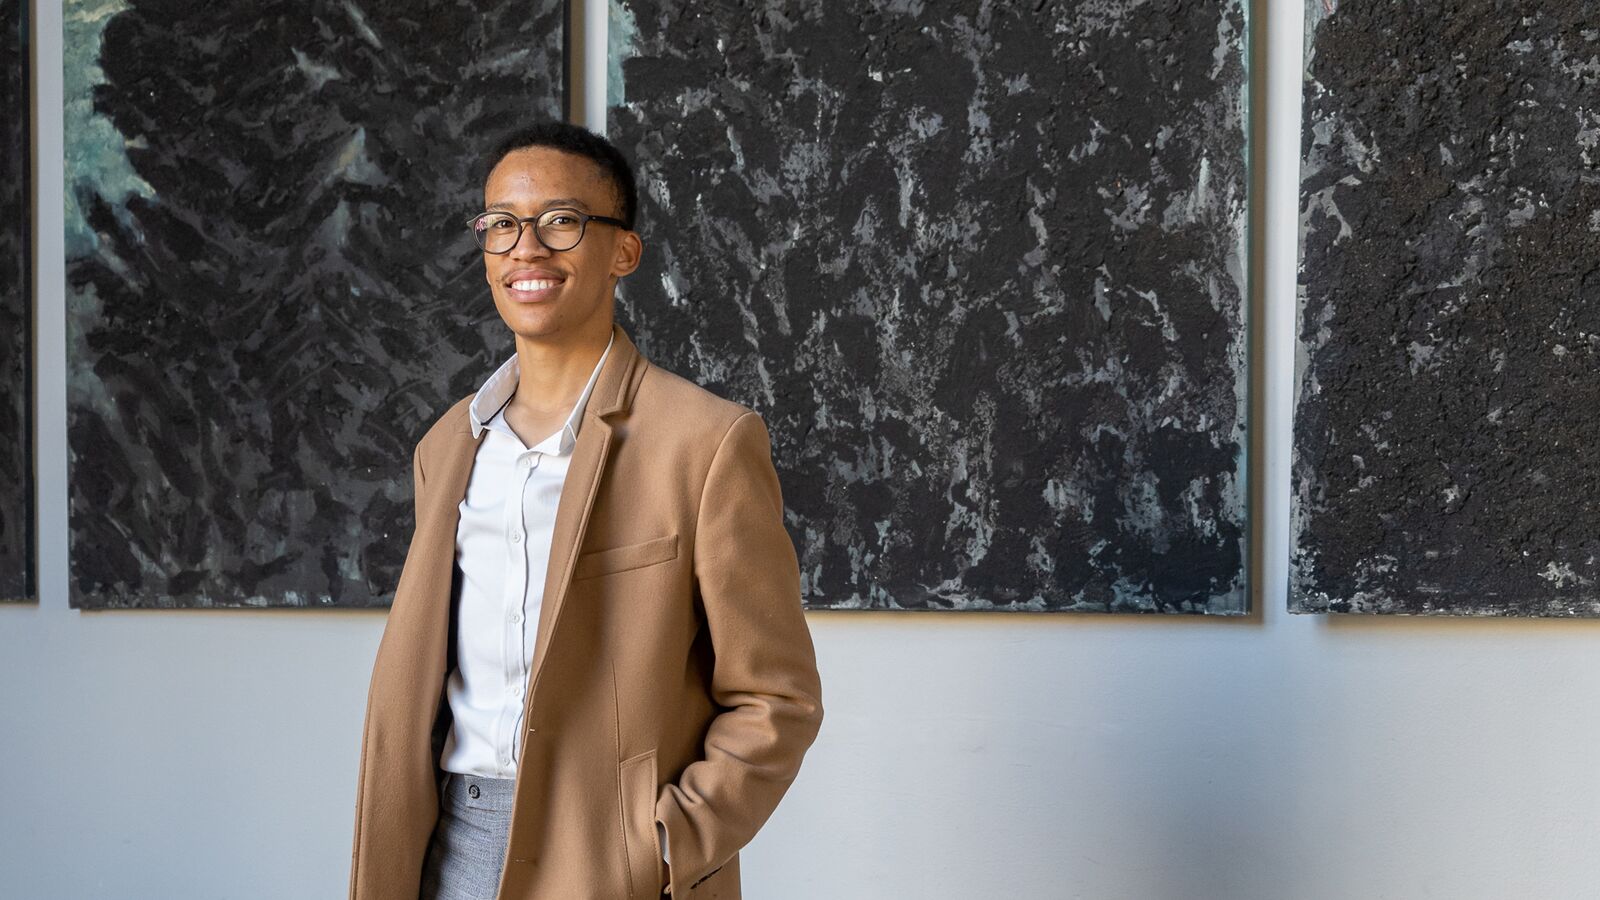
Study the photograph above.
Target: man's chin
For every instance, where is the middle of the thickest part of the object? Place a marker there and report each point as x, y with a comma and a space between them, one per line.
544, 322
535, 331
527, 320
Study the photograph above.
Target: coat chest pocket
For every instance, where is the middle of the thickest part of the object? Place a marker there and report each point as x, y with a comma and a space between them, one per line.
630, 556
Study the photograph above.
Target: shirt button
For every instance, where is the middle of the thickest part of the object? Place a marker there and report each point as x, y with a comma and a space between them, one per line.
516, 537
516, 618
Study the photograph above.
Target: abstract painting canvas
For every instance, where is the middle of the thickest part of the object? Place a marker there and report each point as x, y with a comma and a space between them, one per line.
980, 266
271, 293
16, 316
1444, 453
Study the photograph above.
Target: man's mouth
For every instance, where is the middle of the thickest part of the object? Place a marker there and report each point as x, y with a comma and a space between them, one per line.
536, 284
529, 286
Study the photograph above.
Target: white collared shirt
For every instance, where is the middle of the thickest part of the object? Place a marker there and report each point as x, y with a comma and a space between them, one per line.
503, 550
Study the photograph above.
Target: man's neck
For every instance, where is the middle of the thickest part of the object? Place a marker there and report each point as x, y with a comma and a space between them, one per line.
553, 372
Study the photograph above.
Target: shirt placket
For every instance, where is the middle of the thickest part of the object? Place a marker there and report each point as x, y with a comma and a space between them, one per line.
515, 604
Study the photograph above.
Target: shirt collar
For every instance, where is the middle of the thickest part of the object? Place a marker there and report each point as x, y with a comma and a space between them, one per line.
498, 390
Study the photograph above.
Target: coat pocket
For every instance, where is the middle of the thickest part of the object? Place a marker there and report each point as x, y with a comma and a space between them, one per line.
631, 556
646, 869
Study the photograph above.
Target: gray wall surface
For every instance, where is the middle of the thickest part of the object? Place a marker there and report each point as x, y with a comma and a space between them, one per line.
208, 754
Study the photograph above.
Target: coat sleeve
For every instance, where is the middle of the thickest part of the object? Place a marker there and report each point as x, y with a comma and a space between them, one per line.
358, 886
764, 674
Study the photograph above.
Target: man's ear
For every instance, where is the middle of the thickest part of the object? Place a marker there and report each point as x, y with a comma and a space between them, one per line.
629, 250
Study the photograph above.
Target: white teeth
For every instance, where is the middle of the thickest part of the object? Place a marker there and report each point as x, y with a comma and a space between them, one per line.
535, 285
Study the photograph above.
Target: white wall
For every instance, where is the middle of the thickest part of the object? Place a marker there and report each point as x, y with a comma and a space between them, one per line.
213, 754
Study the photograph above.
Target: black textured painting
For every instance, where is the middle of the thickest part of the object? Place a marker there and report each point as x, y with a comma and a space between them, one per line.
980, 266
1445, 459
16, 317
271, 294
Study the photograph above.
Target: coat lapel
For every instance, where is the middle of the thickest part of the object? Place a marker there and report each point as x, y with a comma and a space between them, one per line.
572, 522
613, 393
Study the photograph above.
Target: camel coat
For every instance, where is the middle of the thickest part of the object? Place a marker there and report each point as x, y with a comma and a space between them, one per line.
674, 679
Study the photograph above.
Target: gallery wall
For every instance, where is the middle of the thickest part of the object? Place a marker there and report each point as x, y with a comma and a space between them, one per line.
205, 753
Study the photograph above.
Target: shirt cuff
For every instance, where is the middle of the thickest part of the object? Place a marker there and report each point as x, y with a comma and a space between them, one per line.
661, 833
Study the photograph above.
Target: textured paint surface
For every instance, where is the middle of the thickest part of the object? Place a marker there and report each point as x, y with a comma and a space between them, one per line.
271, 292
1449, 370
980, 266
16, 318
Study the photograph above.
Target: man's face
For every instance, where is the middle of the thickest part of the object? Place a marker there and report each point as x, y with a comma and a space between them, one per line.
542, 293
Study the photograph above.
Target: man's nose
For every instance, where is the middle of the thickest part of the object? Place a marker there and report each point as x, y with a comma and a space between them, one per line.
528, 245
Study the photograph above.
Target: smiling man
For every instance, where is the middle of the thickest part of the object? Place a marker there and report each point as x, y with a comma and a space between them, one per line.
595, 680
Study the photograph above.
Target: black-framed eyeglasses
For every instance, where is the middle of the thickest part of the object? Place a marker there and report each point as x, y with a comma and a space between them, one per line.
557, 229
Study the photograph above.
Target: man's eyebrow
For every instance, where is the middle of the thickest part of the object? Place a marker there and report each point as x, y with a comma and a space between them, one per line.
548, 204
566, 201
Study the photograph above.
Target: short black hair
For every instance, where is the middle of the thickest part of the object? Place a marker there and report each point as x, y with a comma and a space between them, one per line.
578, 141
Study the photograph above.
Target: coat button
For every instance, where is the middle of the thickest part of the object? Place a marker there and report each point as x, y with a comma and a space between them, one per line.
472, 791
